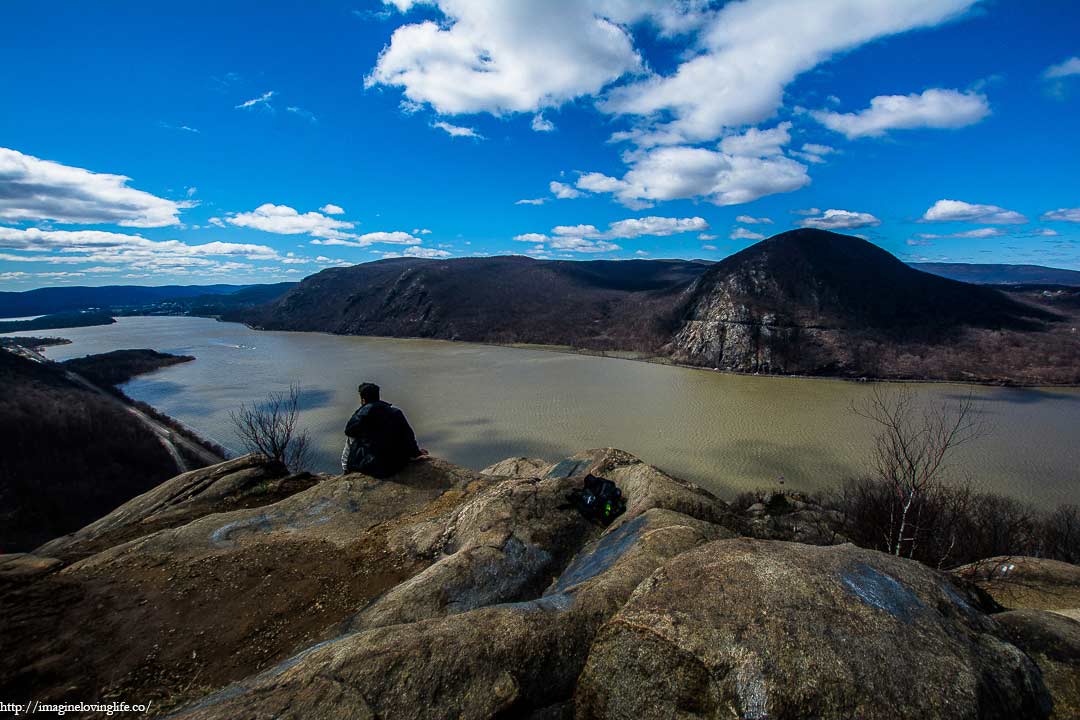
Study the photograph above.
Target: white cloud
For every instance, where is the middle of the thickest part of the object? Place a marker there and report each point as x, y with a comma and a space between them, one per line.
74, 247
457, 130
531, 201
498, 57
934, 108
748, 52
421, 231
1063, 69
563, 191
418, 252
758, 143
581, 245
332, 209
1063, 215
541, 124
656, 226
640, 252
841, 220
744, 234
749, 220
813, 153
806, 211
216, 222
672, 173
35, 189
397, 237
15, 275
967, 234
284, 220
959, 211
531, 238
1047, 232
707, 236
709, 247
301, 112
262, 101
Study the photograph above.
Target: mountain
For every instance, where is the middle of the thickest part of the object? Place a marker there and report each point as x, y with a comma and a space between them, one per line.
1002, 274
600, 304
811, 301
43, 301
70, 454
802, 302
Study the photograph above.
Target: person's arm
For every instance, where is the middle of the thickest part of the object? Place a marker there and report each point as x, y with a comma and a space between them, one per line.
352, 428
408, 438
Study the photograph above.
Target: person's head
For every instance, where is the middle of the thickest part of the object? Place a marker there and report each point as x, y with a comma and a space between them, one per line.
369, 393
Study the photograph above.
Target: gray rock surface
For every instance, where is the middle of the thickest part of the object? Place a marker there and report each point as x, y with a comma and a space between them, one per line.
1053, 642
764, 629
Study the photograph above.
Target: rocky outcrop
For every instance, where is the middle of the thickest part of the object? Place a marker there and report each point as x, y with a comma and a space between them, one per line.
444, 592
759, 629
810, 301
1028, 583
1053, 642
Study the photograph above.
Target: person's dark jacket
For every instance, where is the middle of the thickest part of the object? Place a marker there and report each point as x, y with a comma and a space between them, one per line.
382, 440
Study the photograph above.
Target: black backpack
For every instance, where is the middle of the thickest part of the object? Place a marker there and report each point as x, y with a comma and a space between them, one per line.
600, 500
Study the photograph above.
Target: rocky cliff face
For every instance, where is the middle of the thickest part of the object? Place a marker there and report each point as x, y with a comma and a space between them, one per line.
809, 301
238, 591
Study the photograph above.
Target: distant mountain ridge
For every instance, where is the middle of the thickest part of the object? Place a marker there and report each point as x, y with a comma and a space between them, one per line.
1002, 274
598, 304
44, 301
802, 302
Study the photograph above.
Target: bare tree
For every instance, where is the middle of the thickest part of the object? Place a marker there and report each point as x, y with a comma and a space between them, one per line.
914, 442
270, 429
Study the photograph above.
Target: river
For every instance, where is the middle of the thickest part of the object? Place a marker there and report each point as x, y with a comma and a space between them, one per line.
476, 404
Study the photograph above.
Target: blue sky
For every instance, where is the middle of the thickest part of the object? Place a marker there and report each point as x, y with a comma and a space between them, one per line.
250, 142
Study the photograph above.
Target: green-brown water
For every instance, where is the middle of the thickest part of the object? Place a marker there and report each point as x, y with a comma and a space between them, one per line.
475, 404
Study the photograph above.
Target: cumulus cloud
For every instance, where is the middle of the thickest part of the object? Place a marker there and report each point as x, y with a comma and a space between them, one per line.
841, 220
284, 220
750, 220
960, 211
758, 143
673, 173
934, 108
1063, 215
967, 234
457, 130
750, 51
417, 251
813, 153
744, 234
498, 57
531, 201
541, 124
563, 191
332, 209
74, 247
1063, 69
709, 247
397, 237
588, 238
35, 189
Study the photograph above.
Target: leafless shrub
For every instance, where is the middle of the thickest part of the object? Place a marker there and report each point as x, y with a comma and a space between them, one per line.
270, 429
910, 461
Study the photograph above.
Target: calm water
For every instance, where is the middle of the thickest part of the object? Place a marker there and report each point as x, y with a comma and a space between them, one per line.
476, 404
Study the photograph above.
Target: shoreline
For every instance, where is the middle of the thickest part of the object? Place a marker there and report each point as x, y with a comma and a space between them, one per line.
662, 360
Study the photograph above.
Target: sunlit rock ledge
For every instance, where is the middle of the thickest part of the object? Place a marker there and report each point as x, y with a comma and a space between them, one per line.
240, 591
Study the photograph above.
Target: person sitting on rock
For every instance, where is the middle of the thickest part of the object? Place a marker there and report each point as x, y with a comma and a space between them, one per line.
380, 441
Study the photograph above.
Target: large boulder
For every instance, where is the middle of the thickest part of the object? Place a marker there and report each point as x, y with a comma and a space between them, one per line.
1027, 582
1053, 642
513, 658
764, 629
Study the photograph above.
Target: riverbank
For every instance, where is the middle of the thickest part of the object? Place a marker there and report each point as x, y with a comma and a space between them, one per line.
476, 404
